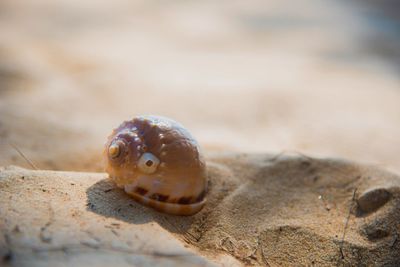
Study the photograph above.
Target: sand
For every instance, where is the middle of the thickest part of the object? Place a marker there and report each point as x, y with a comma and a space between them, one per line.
296, 107
271, 210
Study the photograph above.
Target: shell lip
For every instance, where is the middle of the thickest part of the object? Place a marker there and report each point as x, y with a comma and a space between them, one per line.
128, 188
168, 207
166, 202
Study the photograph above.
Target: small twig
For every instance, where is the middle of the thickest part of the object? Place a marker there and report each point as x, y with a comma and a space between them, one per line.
263, 257
43, 231
394, 241
347, 222
282, 153
23, 156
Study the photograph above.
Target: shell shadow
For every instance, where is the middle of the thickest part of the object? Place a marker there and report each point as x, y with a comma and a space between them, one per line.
105, 199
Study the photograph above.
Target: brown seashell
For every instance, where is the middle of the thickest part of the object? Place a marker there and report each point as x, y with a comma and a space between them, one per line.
158, 162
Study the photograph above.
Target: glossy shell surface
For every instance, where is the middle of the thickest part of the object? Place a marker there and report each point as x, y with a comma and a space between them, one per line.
158, 162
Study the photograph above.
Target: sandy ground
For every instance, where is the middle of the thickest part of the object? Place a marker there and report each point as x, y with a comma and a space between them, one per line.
262, 210
317, 77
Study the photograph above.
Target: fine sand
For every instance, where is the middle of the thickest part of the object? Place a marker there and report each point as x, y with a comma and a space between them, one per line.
262, 210
272, 91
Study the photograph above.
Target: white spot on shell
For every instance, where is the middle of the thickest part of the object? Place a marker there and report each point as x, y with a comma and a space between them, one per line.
148, 163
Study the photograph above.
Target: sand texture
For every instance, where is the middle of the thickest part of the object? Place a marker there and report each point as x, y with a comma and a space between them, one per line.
262, 210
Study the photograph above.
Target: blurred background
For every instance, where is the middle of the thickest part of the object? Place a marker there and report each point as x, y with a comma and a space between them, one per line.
320, 77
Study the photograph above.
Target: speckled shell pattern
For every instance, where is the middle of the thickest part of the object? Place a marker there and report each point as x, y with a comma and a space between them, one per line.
178, 185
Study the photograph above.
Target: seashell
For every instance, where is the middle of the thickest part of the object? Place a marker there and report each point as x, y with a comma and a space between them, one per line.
158, 162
